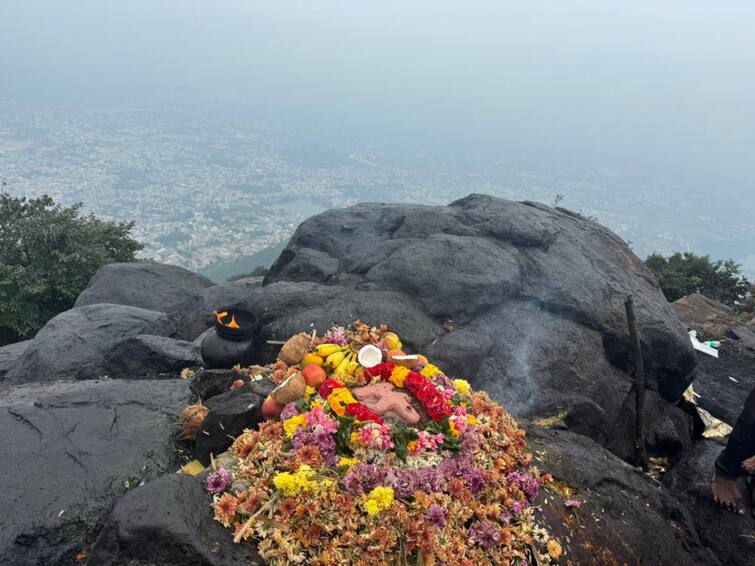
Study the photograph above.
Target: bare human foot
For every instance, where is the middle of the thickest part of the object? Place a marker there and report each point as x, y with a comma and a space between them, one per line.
749, 466
726, 493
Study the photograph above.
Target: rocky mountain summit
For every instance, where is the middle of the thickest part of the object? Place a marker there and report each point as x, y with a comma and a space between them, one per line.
524, 301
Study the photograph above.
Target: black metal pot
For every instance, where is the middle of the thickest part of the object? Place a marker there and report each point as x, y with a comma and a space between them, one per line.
227, 344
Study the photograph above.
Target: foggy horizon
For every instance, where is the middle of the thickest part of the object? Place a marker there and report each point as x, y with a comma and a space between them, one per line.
651, 98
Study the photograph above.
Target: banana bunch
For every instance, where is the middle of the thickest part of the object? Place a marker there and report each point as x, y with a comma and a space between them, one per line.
341, 359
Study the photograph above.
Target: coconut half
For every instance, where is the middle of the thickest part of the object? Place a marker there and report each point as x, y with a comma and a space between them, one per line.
369, 356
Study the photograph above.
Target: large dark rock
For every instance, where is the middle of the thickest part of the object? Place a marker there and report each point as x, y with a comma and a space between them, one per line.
68, 450
724, 383
9, 355
229, 414
731, 537
744, 336
147, 285
705, 315
625, 517
74, 344
208, 383
150, 356
524, 300
165, 523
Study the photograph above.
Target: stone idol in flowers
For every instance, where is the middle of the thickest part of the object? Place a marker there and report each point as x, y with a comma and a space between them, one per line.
373, 456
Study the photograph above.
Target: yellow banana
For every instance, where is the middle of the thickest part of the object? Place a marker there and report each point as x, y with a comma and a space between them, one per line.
341, 368
352, 367
335, 359
325, 350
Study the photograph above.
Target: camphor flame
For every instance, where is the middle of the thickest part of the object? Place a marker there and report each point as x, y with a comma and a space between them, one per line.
221, 315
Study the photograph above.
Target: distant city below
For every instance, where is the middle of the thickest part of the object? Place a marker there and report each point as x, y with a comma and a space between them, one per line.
206, 190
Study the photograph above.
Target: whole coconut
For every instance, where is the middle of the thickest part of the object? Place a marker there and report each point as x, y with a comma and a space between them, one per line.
192, 418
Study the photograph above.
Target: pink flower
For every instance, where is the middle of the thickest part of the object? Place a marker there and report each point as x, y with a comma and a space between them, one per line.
427, 442
218, 482
317, 417
376, 436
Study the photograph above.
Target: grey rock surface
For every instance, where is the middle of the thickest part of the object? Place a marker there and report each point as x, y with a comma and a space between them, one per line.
144, 284
724, 383
68, 450
9, 355
624, 518
168, 522
709, 317
145, 355
229, 414
74, 344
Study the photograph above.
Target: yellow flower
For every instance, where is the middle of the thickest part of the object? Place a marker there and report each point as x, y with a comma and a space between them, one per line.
398, 376
290, 425
285, 482
472, 420
411, 445
350, 462
291, 484
430, 370
378, 500
338, 400
452, 426
309, 393
462, 386
554, 548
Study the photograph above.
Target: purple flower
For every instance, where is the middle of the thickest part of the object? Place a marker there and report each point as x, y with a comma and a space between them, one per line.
484, 535
529, 485
337, 336
531, 488
436, 515
470, 441
404, 483
363, 478
218, 482
321, 438
290, 410
505, 517
476, 480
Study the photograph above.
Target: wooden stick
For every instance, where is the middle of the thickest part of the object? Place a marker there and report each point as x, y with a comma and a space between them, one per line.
640, 452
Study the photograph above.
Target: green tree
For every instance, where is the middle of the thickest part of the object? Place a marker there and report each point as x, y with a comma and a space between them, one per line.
681, 274
48, 253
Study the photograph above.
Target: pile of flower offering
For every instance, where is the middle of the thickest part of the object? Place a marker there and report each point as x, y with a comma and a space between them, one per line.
373, 456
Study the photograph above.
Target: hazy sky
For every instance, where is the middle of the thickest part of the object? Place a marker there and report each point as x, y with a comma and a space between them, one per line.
653, 85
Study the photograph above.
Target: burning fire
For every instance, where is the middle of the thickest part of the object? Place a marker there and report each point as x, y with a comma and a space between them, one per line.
221, 315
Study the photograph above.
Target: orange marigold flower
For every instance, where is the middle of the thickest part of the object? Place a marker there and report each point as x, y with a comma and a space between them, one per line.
554, 548
225, 509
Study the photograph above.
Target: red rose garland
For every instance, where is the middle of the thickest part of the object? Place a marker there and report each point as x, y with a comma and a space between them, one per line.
426, 393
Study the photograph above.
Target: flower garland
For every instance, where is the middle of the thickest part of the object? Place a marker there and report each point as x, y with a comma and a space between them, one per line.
434, 403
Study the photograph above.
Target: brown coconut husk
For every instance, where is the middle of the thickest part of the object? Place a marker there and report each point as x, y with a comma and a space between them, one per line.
192, 418
292, 389
294, 349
